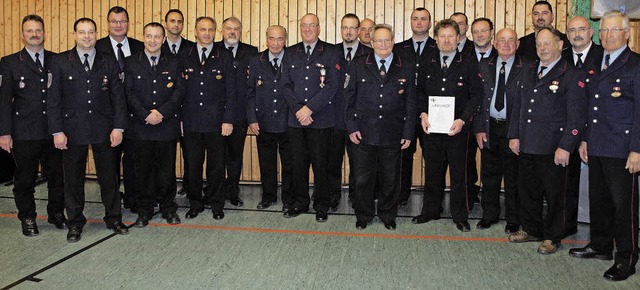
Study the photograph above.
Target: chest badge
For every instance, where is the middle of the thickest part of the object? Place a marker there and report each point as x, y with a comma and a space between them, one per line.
554, 86
170, 84
218, 77
616, 92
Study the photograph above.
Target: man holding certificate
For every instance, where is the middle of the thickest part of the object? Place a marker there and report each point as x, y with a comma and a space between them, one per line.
450, 97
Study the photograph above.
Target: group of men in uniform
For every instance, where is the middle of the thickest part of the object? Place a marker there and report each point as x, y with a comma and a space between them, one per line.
533, 113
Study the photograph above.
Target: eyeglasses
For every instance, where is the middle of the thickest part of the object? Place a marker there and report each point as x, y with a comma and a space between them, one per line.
579, 29
382, 41
309, 25
118, 21
349, 28
613, 29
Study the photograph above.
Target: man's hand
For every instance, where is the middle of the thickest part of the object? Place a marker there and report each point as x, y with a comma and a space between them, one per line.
6, 142
355, 137
303, 115
154, 117
424, 120
583, 152
481, 138
227, 128
633, 162
405, 144
514, 145
456, 127
561, 157
60, 141
115, 137
255, 128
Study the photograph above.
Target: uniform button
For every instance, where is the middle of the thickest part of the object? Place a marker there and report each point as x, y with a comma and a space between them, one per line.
381, 95
201, 83
489, 98
44, 101
491, 88
201, 93
587, 80
595, 108
88, 81
596, 96
380, 106
200, 104
382, 86
444, 79
89, 101
275, 81
154, 81
305, 100
274, 90
139, 77
17, 113
529, 110
532, 100
42, 80
329, 102
626, 131
88, 91
535, 90
154, 92
43, 91
131, 115
175, 115
201, 72
595, 120
306, 89
154, 103
380, 117
307, 67
561, 129
306, 78
275, 101
89, 111
443, 89
528, 120
44, 112
355, 115
275, 111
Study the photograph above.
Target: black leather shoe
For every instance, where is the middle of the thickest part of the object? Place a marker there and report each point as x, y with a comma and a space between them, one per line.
511, 228
619, 272
334, 203
265, 204
142, 222
421, 219
463, 226
286, 207
360, 225
321, 216
293, 212
193, 213
485, 224
74, 234
118, 227
172, 219
390, 225
218, 214
236, 201
57, 219
29, 227
588, 252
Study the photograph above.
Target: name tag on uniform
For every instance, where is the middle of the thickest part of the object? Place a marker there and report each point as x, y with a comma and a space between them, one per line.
441, 113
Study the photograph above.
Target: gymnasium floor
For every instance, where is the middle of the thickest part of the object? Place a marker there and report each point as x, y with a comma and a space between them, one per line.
260, 249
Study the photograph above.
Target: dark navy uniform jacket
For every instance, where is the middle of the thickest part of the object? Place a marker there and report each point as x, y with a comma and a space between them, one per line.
488, 70
381, 108
210, 97
593, 60
147, 89
338, 99
23, 96
265, 103
301, 83
104, 45
614, 120
461, 80
86, 106
549, 113
241, 67
185, 46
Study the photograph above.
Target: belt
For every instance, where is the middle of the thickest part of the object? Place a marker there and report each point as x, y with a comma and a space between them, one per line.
498, 121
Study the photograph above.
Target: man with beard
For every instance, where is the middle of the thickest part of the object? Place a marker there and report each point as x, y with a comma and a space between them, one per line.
541, 17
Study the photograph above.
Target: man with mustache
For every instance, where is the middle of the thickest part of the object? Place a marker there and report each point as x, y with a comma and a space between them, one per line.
364, 33
541, 17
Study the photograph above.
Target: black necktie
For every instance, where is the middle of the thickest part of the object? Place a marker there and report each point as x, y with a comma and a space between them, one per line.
274, 66
153, 62
173, 49
87, 67
38, 63
419, 43
349, 53
606, 61
204, 55
499, 104
542, 68
120, 56
444, 63
308, 52
383, 70
231, 51
579, 63
482, 55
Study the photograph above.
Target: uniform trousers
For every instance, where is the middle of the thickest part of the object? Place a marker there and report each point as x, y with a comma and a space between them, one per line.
234, 149
198, 145
540, 179
124, 155
156, 161
498, 162
336, 157
437, 148
185, 167
573, 193
27, 155
384, 162
74, 160
309, 147
613, 195
406, 177
269, 144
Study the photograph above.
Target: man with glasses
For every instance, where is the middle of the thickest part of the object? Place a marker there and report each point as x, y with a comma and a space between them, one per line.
482, 31
612, 150
541, 17
381, 103
364, 33
310, 76
464, 45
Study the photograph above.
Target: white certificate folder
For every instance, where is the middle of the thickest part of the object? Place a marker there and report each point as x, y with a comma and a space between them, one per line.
441, 113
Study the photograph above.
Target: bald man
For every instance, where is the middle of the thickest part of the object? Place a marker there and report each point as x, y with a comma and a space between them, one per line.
364, 35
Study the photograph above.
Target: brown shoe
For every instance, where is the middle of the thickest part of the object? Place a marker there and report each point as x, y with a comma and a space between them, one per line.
548, 247
522, 237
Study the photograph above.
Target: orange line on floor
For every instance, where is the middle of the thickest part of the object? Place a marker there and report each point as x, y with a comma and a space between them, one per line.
319, 233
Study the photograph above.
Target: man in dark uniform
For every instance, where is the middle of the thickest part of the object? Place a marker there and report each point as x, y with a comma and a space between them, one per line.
482, 31
612, 148
310, 79
208, 113
546, 121
267, 114
118, 45
541, 17
501, 83
364, 32
448, 73
381, 102
350, 48
234, 143
587, 56
464, 44
179, 47
154, 90
24, 82
417, 50
87, 106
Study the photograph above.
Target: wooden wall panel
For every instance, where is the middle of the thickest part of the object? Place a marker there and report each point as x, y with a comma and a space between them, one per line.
256, 15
